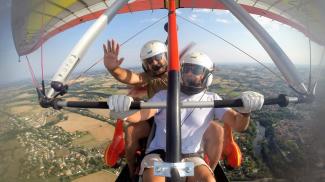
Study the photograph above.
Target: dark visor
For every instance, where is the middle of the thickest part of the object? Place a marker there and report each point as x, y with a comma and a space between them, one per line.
157, 57
195, 69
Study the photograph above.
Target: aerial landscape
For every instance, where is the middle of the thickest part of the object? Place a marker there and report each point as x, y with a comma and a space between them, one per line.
43, 144
273, 47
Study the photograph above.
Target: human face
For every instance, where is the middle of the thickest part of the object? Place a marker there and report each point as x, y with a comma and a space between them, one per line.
157, 57
157, 64
192, 75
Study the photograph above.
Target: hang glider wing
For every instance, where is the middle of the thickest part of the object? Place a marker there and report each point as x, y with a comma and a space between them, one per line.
35, 21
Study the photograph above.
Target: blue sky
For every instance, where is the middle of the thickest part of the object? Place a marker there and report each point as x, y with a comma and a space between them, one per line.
124, 26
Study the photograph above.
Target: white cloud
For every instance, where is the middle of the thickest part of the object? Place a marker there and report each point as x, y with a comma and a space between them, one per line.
221, 20
214, 11
193, 17
201, 10
221, 12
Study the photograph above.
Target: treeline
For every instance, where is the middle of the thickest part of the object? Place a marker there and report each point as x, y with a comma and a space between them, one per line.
282, 157
86, 112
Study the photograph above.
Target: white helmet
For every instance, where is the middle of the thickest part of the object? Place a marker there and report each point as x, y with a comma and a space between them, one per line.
201, 59
152, 48
198, 58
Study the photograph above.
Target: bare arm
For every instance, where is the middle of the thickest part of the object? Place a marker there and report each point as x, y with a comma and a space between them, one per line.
142, 115
128, 77
112, 64
238, 121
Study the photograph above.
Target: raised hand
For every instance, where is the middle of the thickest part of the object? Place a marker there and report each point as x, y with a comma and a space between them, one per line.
111, 51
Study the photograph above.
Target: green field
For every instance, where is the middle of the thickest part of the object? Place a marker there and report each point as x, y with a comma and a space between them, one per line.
12, 156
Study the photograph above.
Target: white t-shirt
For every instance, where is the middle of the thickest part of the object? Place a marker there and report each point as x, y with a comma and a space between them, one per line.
194, 121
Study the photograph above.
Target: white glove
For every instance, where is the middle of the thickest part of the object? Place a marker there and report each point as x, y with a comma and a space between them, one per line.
252, 101
119, 103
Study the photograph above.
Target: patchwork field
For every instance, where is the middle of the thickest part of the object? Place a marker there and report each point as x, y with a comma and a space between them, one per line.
21, 109
101, 131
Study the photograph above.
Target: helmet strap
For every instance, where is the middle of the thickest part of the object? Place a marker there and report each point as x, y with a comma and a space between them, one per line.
144, 68
189, 90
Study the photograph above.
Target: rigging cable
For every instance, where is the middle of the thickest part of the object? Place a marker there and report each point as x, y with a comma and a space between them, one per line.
42, 56
319, 67
309, 84
233, 45
127, 40
31, 71
309, 91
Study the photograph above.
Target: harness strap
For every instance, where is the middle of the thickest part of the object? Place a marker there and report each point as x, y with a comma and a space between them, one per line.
191, 155
162, 154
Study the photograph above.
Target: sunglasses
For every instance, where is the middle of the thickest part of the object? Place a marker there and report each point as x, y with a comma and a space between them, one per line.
157, 57
194, 69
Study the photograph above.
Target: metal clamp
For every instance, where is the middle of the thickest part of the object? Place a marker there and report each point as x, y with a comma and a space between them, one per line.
164, 168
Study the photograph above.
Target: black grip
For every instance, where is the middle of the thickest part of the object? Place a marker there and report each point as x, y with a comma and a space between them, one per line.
98, 105
83, 104
228, 103
282, 100
135, 105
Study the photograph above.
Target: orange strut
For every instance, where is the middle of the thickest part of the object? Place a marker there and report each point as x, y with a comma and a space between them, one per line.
116, 149
231, 151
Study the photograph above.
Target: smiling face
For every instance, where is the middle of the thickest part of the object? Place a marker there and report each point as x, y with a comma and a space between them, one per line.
156, 65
